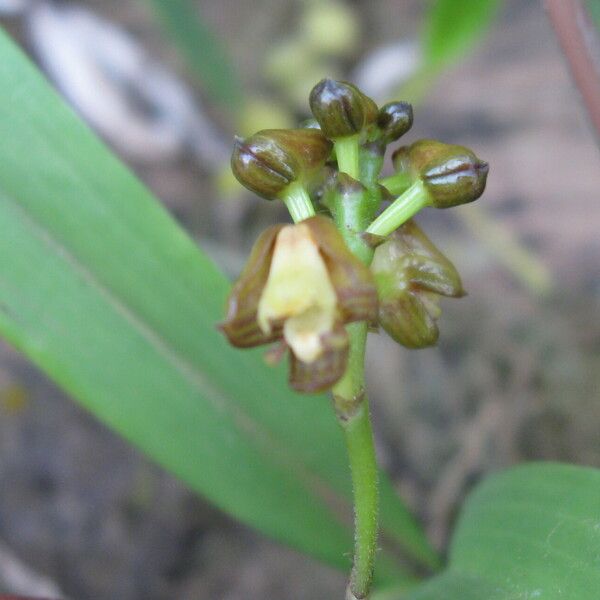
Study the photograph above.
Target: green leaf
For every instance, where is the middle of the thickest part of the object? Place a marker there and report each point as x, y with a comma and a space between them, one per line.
203, 50
530, 533
450, 586
593, 7
104, 292
452, 28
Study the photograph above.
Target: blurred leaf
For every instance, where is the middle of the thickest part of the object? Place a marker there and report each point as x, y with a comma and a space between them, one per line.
530, 533
593, 7
203, 50
104, 292
452, 28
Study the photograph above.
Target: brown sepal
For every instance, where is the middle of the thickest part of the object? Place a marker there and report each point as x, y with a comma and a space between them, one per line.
327, 370
240, 325
411, 273
424, 265
407, 321
352, 280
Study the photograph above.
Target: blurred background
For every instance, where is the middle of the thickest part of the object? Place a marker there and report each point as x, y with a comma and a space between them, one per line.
516, 375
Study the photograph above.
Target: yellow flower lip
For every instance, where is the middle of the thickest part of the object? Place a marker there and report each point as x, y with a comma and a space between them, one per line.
299, 293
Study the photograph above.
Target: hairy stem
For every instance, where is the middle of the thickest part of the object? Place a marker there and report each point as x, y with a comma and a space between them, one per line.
352, 410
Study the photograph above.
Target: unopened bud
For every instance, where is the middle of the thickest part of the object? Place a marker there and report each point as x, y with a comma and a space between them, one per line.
270, 160
394, 120
452, 175
341, 108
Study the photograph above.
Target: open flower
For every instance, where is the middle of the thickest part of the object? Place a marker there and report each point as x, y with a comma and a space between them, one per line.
411, 275
301, 285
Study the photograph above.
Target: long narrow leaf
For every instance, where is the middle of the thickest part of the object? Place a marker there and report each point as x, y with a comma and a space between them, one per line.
105, 293
451, 28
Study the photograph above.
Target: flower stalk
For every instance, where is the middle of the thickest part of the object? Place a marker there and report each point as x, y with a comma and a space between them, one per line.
346, 151
298, 202
401, 210
397, 183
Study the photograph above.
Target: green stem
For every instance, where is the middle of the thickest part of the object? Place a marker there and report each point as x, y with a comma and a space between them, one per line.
298, 202
403, 208
397, 183
363, 465
351, 404
347, 151
352, 410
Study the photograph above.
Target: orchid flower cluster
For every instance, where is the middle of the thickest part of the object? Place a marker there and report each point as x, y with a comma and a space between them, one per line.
345, 259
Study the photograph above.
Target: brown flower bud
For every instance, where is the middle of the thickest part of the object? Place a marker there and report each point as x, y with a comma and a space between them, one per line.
341, 108
452, 175
302, 285
394, 120
411, 274
270, 160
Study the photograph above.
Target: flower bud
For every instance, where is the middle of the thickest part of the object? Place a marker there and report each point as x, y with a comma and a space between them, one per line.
341, 108
452, 175
411, 274
270, 160
394, 120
